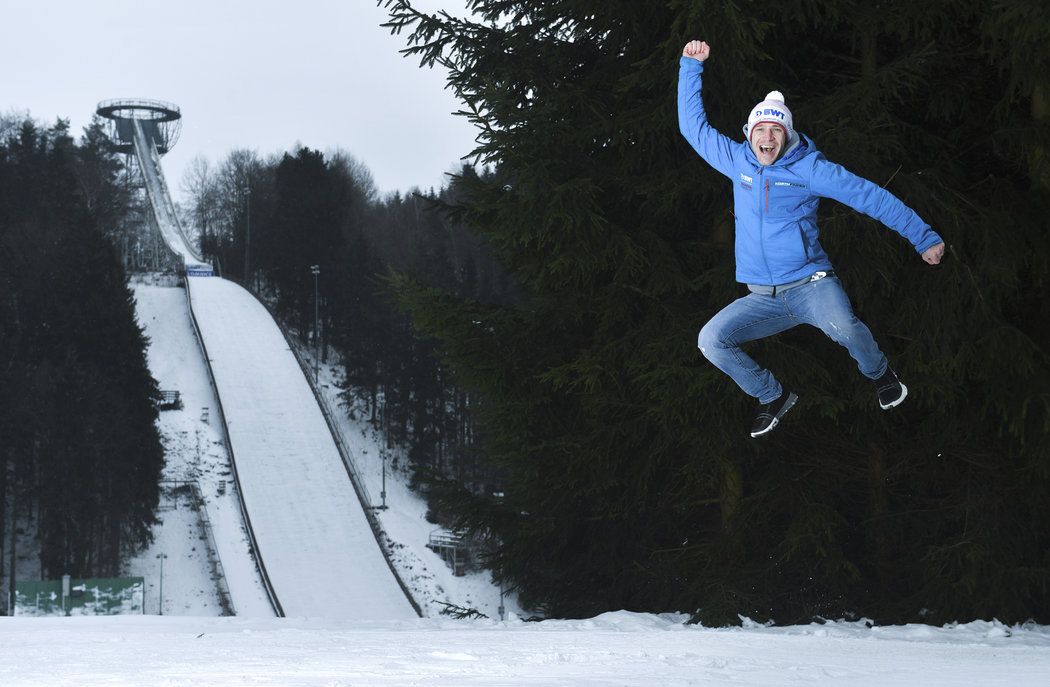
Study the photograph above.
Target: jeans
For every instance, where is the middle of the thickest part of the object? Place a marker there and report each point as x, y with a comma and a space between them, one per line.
822, 303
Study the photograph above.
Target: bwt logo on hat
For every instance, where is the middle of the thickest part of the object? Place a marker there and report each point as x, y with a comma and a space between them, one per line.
770, 111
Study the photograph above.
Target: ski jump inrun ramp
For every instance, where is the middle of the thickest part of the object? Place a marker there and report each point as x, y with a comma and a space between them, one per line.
315, 548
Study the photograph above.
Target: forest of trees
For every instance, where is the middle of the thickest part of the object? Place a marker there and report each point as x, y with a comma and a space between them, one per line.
628, 479
80, 457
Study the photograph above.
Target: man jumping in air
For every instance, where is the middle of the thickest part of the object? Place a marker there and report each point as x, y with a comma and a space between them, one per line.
778, 179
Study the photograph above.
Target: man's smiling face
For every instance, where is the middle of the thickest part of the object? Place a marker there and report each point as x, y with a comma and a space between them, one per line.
767, 140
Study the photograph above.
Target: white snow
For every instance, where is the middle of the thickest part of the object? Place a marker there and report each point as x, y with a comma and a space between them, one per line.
432, 582
312, 534
613, 649
194, 453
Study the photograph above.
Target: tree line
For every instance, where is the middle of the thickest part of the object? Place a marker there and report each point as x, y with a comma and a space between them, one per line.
80, 456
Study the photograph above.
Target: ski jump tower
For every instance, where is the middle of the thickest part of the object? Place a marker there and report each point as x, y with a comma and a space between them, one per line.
143, 130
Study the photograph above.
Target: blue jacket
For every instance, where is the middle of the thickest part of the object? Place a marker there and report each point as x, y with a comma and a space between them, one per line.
776, 205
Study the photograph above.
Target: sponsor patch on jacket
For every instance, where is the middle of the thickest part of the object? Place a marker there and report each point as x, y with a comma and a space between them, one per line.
746, 181
788, 183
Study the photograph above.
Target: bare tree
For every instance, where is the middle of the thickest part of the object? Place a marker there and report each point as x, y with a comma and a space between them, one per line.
11, 121
356, 170
199, 185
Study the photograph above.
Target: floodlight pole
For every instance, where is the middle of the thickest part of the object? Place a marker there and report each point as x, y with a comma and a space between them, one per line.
160, 604
316, 270
498, 496
382, 494
247, 233
502, 607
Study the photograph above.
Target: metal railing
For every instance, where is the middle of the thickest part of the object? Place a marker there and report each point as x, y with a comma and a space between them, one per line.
170, 400
454, 549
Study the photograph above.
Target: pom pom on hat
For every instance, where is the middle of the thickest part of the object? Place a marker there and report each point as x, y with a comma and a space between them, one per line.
772, 110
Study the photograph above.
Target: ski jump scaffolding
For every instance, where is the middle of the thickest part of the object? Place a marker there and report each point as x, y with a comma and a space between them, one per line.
316, 549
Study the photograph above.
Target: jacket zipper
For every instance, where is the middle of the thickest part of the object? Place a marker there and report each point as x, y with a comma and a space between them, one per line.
762, 228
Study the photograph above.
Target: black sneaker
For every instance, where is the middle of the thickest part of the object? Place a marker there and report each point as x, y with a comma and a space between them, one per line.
768, 414
891, 392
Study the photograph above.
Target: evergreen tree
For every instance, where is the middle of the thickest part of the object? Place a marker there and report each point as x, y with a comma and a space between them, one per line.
98, 172
80, 447
629, 481
306, 228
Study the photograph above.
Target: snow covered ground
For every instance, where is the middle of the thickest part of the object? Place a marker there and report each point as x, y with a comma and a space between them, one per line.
312, 533
432, 582
195, 452
613, 649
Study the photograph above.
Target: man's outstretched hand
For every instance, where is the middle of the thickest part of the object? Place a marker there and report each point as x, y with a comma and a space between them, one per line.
698, 50
933, 254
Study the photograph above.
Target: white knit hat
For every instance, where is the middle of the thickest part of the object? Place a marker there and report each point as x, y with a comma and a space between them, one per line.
773, 110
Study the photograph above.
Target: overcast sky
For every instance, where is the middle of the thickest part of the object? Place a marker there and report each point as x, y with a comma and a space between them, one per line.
259, 74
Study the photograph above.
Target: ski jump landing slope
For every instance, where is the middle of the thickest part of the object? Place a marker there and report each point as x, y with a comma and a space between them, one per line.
311, 535
314, 540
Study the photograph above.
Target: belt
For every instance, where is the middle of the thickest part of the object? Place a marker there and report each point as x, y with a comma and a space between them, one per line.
774, 290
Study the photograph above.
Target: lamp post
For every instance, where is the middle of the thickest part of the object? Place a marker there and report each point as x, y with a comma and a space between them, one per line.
502, 607
247, 231
498, 496
382, 494
316, 270
160, 604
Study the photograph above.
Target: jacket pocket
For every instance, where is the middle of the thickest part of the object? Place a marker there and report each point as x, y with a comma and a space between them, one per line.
785, 199
805, 242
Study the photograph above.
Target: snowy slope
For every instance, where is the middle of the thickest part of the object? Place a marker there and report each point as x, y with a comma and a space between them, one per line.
313, 538
313, 541
194, 453
613, 649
